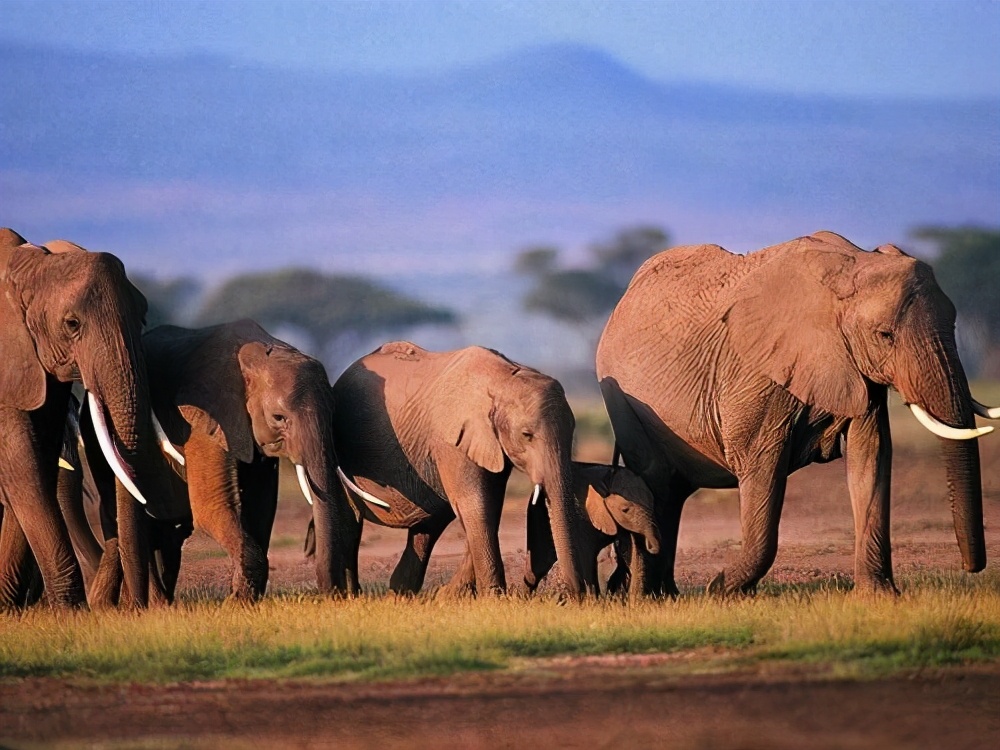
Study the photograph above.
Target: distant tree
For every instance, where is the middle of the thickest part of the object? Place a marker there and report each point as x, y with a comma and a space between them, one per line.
967, 266
169, 301
630, 248
536, 260
324, 306
583, 295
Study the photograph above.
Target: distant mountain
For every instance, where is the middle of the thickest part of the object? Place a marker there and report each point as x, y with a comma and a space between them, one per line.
196, 163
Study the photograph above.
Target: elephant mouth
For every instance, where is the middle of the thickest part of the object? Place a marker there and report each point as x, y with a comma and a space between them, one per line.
274, 448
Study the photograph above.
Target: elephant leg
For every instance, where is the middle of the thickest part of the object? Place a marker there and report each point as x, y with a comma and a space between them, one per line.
463, 581
541, 547
258, 483
762, 493
168, 544
408, 576
869, 476
28, 467
214, 493
18, 568
620, 581
70, 495
479, 504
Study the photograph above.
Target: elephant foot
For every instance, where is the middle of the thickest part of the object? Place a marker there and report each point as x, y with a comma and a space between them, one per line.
874, 586
452, 591
718, 587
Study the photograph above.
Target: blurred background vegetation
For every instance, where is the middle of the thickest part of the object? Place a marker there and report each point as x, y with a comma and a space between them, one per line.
340, 317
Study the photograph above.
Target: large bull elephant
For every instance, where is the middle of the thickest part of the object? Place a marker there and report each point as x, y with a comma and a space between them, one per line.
232, 400
434, 435
65, 315
721, 370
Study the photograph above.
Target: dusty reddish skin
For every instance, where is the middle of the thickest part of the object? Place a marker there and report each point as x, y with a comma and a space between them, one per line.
722, 370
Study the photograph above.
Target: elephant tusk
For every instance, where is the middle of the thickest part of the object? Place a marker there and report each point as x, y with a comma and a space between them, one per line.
64, 464
943, 430
986, 411
366, 496
536, 494
164, 441
109, 450
300, 472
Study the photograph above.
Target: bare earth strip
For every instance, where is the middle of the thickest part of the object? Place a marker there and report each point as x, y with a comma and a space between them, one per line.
573, 705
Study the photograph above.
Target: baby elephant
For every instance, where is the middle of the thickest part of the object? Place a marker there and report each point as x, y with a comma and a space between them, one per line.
618, 507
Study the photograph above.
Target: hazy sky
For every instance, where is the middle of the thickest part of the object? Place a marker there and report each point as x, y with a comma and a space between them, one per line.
863, 47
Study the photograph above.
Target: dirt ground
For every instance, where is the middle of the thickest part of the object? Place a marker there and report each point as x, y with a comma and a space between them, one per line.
602, 702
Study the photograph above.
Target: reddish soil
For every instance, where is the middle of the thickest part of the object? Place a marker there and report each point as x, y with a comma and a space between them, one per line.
615, 701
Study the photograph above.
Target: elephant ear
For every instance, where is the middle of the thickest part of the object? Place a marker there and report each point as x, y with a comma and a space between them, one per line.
22, 377
784, 321
202, 367
468, 424
600, 516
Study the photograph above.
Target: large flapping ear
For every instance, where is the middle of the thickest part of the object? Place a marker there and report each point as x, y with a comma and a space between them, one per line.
201, 368
784, 321
600, 516
22, 377
468, 424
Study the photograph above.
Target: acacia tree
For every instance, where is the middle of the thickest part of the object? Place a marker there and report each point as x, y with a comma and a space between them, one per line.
583, 296
327, 307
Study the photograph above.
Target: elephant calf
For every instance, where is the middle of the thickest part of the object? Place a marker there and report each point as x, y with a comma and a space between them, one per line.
616, 506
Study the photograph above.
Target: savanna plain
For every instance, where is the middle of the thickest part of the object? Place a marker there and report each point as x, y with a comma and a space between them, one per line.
804, 663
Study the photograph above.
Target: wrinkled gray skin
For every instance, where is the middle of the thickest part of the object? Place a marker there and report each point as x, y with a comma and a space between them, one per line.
722, 370
435, 435
66, 315
616, 507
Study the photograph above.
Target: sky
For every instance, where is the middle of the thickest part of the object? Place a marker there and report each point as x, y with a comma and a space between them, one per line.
900, 48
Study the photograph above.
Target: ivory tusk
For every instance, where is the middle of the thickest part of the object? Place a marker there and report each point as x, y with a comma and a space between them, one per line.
366, 496
535, 495
986, 411
300, 472
164, 441
109, 450
943, 430
64, 464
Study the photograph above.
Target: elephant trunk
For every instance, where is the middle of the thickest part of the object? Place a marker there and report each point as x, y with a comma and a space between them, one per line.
941, 389
566, 519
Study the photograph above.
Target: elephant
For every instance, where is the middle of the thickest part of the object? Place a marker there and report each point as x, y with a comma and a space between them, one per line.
722, 370
231, 400
66, 315
616, 507
434, 435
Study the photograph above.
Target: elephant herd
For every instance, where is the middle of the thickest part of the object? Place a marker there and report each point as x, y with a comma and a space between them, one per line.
717, 370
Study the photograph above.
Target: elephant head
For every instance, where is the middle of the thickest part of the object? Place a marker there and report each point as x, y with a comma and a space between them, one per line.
622, 501
833, 323
525, 416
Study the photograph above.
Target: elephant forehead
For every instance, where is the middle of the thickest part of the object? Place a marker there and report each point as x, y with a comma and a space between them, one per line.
630, 486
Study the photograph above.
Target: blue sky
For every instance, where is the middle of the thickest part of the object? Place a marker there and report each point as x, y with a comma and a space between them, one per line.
912, 48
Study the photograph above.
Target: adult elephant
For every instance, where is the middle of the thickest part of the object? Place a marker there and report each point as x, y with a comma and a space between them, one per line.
434, 435
722, 370
232, 399
65, 315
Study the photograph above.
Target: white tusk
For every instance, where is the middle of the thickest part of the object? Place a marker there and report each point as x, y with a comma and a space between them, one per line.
300, 472
64, 464
943, 430
986, 411
535, 495
164, 441
110, 451
366, 496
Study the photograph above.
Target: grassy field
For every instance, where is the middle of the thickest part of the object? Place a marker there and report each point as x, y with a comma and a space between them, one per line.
938, 620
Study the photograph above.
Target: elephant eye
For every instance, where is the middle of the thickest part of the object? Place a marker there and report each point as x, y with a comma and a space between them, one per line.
279, 418
886, 336
528, 435
72, 324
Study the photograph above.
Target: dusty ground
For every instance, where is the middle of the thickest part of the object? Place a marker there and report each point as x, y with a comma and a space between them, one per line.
564, 703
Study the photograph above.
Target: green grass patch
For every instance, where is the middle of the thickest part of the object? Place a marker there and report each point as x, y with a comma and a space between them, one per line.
937, 621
